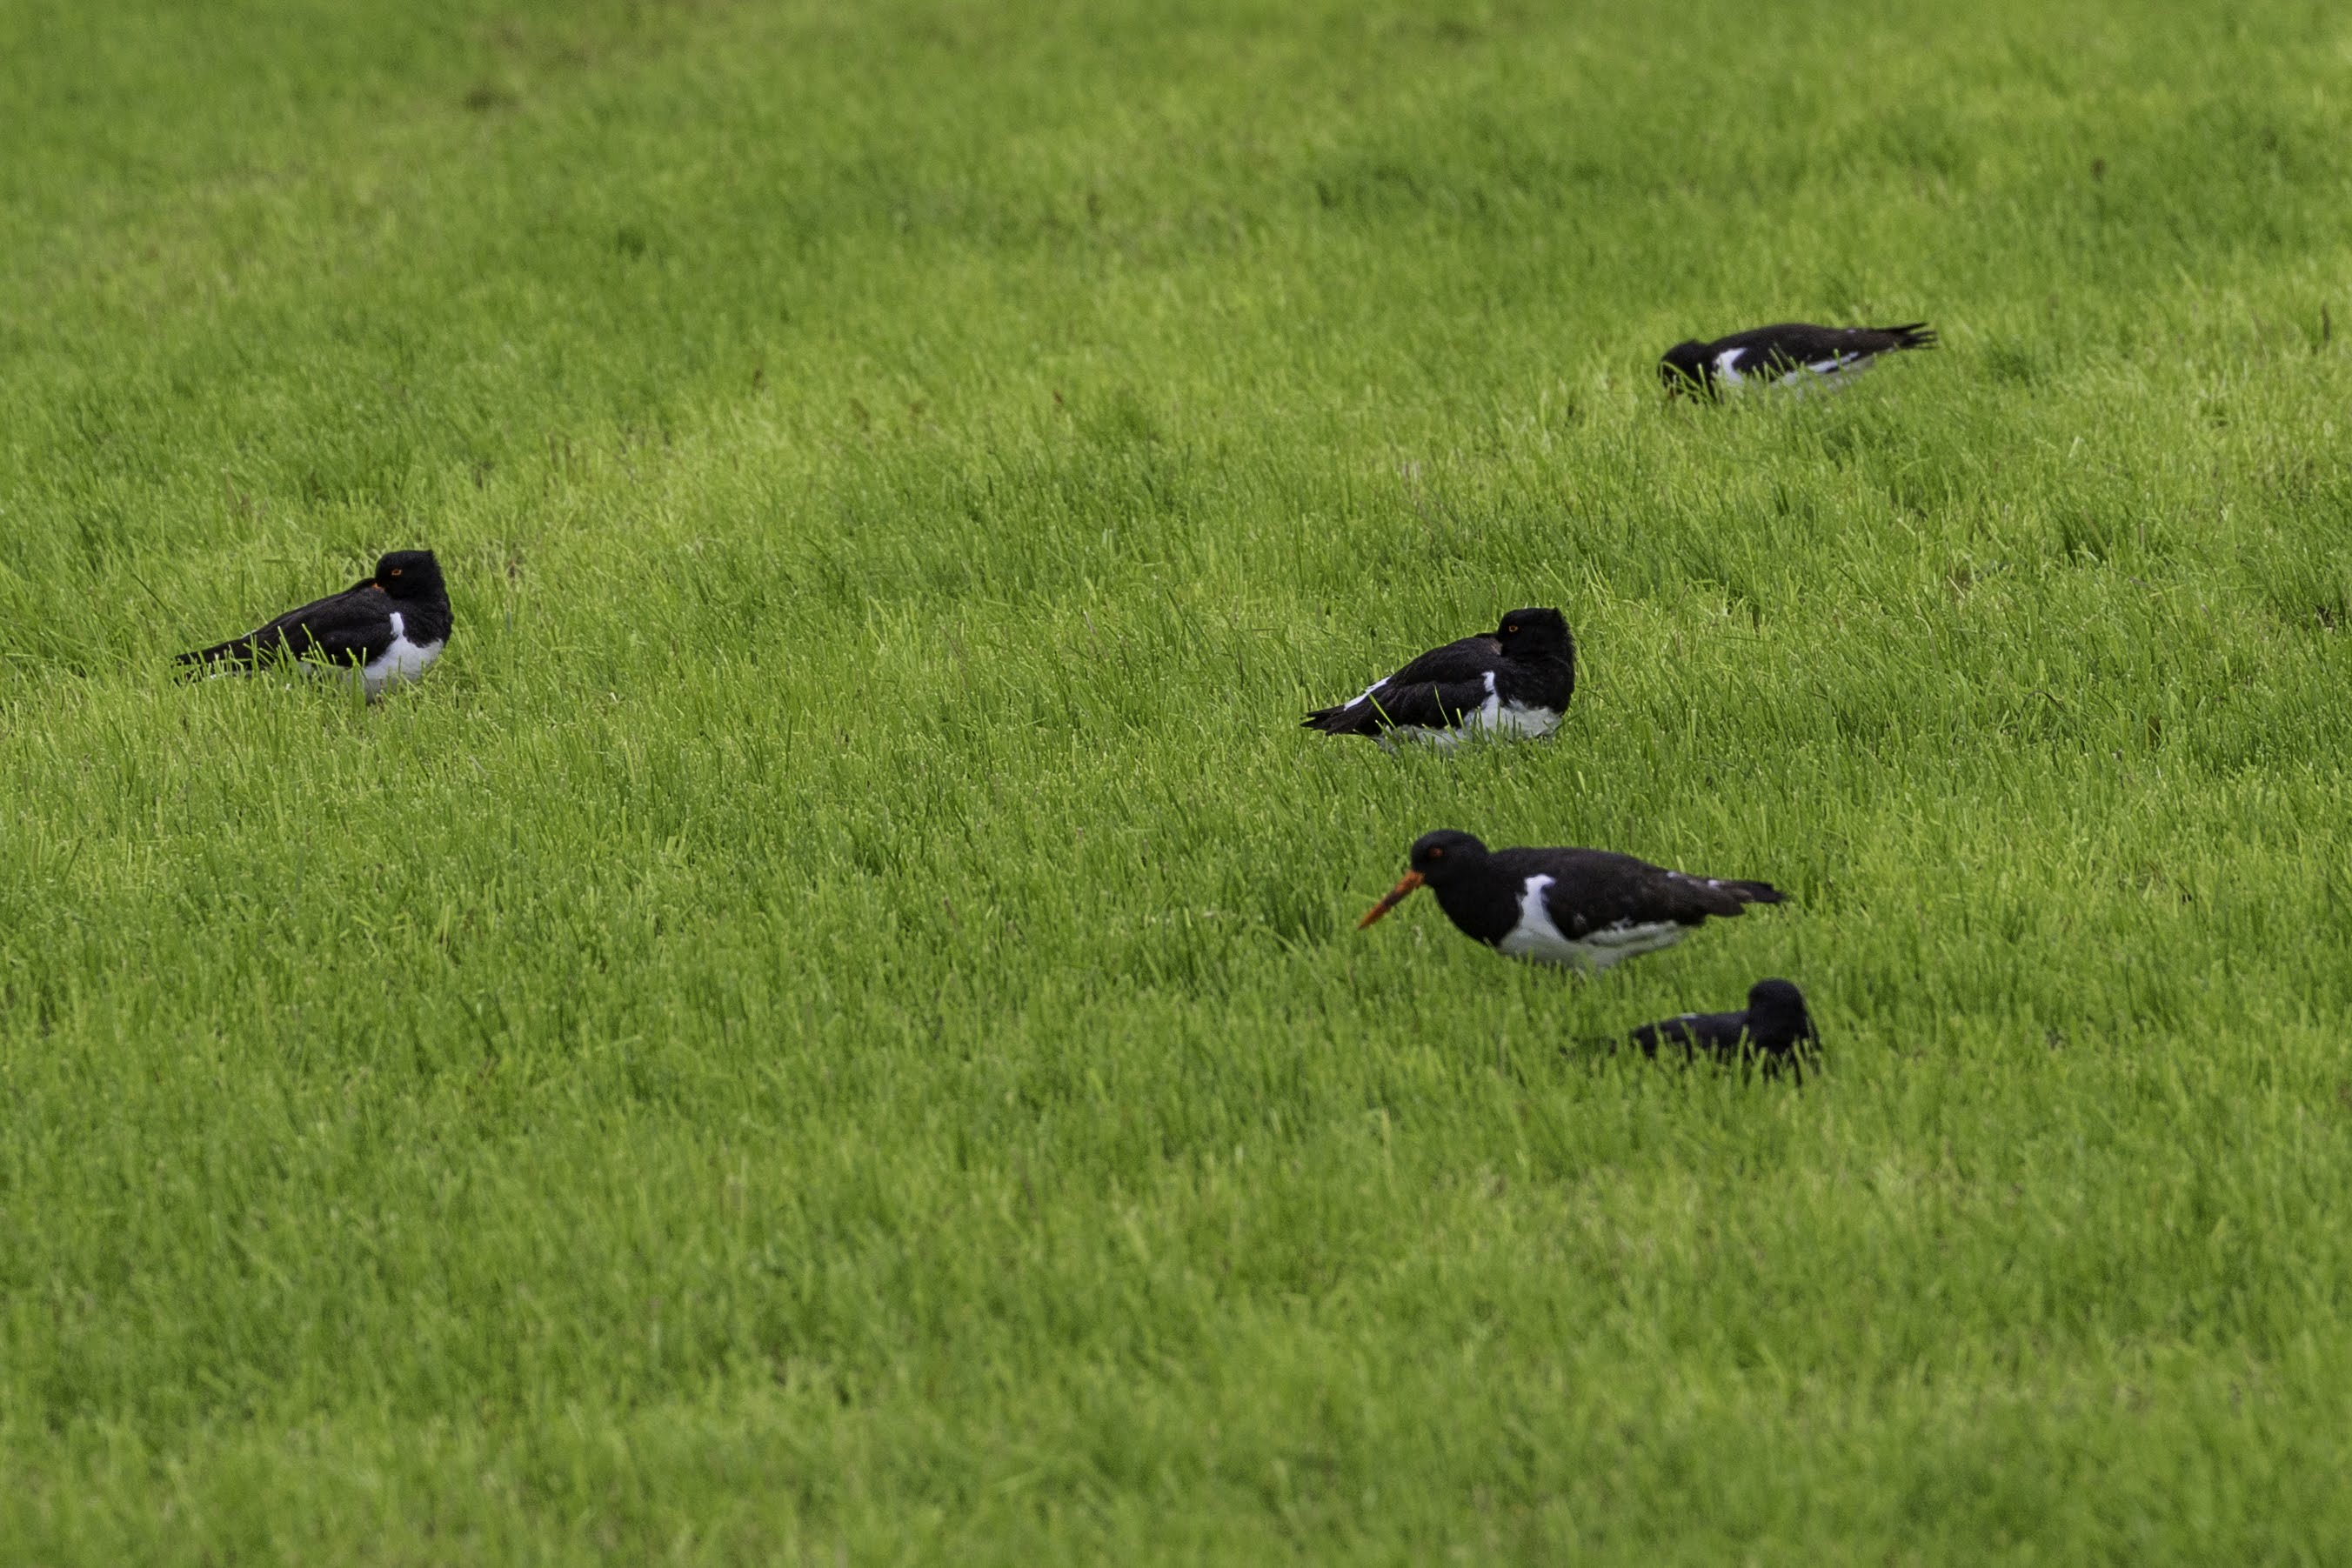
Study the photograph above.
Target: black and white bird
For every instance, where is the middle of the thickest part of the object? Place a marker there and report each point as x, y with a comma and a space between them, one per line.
1774, 1025
1590, 908
382, 630
1789, 355
1514, 681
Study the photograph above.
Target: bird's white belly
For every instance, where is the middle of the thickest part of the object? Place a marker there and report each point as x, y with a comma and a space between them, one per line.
1490, 720
1540, 941
1628, 940
404, 661
1825, 375
1517, 718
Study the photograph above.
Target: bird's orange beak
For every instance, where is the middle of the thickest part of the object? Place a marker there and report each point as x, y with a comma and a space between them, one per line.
1396, 895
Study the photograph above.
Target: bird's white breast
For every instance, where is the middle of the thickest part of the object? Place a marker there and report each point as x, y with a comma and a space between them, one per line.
1535, 936
404, 661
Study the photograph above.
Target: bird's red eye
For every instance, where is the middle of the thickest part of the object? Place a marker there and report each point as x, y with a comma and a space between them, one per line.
1437, 854
1511, 628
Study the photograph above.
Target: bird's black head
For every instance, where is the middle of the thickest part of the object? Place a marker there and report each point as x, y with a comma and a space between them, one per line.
409, 574
1435, 859
1685, 369
1441, 857
1776, 1008
1534, 634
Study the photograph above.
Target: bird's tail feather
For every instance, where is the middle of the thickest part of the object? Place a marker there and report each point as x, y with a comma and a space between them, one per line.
237, 650
1912, 335
1753, 892
1333, 720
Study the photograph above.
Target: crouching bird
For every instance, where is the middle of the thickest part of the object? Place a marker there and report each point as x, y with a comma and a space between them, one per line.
380, 631
1590, 908
1513, 681
1789, 355
1774, 1025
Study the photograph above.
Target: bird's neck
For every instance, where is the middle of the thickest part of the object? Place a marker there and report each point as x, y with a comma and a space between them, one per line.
1482, 903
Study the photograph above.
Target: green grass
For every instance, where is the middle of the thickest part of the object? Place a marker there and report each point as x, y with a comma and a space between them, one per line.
828, 1028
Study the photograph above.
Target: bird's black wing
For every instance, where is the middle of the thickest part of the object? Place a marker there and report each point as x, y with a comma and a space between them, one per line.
1792, 344
1726, 1037
1593, 890
1433, 690
1718, 1032
352, 627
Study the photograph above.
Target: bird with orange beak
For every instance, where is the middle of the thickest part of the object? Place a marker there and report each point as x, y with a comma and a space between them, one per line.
1585, 908
381, 631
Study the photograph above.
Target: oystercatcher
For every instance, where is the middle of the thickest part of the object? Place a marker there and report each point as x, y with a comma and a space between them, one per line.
1514, 681
1791, 353
1587, 908
382, 629
1775, 1025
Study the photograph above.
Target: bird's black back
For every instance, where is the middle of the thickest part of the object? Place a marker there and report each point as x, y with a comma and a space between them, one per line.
1788, 344
1592, 890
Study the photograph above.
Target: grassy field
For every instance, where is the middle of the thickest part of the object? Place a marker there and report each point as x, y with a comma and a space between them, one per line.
829, 1028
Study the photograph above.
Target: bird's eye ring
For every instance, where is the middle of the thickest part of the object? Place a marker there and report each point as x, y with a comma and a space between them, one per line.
1512, 627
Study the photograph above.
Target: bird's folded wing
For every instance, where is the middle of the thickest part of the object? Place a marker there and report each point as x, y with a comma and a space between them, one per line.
1438, 687
1833, 348
1429, 691
352, 627
1711, 1031
1432, 704
1466, 660
1596, 889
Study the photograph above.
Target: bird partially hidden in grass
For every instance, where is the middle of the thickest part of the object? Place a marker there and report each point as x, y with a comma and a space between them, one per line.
381, 631
1514, 681
1788, 354
1774, 1028
1588, 908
